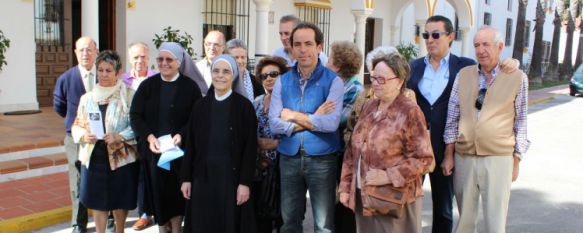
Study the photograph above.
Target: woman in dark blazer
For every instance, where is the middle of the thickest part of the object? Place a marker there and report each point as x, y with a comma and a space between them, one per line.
219, 163
162, 105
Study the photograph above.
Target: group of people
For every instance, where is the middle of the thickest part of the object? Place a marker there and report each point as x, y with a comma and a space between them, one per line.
248, 148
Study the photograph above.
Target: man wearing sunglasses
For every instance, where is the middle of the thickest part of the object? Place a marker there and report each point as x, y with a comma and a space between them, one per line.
486, 130
432, 78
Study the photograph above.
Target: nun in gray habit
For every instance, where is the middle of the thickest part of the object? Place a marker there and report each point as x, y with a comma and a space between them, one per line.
218, 166
162, 106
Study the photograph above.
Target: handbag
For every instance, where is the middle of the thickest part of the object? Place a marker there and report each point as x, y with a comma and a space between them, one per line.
386, 200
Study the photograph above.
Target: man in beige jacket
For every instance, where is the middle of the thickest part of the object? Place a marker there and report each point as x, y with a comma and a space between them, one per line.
486, 130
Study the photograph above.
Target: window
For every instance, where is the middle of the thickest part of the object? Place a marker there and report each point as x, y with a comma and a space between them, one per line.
546, 51
231, 17
509, 5
319, 16
508, 40
526, 33
48, 22
487, 19
487, 2
456, 29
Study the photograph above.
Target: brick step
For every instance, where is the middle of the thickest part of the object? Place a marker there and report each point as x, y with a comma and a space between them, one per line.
28, 167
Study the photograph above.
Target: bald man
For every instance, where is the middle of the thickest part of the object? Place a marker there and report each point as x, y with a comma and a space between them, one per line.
69, 88
214, 45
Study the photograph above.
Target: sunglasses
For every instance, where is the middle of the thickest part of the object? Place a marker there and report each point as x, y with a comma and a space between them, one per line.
162, 59
480, 99
434, 35
381, 80
273, 74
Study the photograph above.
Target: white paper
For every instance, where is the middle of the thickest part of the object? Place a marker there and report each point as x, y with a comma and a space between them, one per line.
166, 143
168, 156
96, 125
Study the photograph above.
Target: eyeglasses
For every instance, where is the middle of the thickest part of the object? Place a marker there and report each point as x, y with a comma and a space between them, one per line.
162, 59
273, 74
381, 80
480, 99
435, 35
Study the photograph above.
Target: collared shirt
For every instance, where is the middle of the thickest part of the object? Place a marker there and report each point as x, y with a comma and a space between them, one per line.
434, 81
322, 123
171, 80
204, 66
520, 107
352, 89
290, 63
131, 80
85, 76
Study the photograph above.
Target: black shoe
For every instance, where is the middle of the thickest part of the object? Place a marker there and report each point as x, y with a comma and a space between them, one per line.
110, 227
79, 229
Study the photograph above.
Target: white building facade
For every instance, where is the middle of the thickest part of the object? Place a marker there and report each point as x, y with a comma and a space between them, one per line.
368, 23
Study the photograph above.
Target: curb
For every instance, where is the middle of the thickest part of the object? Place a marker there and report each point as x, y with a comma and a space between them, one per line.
541, 100
36, 221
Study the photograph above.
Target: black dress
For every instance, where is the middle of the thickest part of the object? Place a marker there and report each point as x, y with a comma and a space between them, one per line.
224, 160
161, 108
103, 189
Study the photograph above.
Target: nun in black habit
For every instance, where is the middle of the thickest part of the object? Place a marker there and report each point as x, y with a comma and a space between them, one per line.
218, 167
161, 106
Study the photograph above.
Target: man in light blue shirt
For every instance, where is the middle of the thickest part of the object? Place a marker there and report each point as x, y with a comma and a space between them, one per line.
305, 109
434, 81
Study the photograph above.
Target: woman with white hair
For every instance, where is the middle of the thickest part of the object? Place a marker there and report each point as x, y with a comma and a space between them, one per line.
219, 163
162, 106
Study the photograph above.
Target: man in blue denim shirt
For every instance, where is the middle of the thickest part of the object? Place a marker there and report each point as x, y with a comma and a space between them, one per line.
306, 107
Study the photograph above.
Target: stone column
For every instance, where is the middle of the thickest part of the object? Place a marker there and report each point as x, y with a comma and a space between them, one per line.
422, 47
466, 41
90, 20
261, 28
360, 22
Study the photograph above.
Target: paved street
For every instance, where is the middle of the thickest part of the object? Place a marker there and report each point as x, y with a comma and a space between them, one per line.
548, 196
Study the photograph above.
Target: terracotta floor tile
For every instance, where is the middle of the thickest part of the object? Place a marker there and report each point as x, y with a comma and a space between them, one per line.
13, 202
14, 212
39, 197
7, 193
57, 159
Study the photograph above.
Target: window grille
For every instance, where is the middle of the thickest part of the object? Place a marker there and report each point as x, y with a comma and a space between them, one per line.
48, 22
318, 16
231, 17
508, 40
487, 19
527, 33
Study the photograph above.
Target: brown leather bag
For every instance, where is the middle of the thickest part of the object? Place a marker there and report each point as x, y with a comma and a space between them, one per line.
386, 200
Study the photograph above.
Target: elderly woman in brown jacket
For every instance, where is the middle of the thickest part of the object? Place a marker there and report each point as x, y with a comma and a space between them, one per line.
387, 154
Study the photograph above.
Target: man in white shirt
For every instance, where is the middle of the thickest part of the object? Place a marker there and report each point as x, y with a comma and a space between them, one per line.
287, 23
214, 45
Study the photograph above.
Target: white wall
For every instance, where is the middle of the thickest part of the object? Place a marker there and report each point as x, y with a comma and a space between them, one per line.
18, 78
150, 17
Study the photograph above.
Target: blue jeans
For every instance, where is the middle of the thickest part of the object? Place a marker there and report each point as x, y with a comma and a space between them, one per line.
316, 174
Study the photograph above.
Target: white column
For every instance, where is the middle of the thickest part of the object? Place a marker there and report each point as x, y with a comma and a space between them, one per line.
466, 41
422, 47
393, 32
360, 21
261, 22
90, 20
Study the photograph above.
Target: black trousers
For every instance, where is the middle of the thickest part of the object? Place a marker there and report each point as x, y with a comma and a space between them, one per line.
442, 197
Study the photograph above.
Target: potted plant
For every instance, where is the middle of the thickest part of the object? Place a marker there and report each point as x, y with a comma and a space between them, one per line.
4, 45
174, 35
408, 51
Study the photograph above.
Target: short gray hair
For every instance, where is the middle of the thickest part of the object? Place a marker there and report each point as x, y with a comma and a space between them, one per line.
290, 18
497, 35
236, 43
144, 45
378, 52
